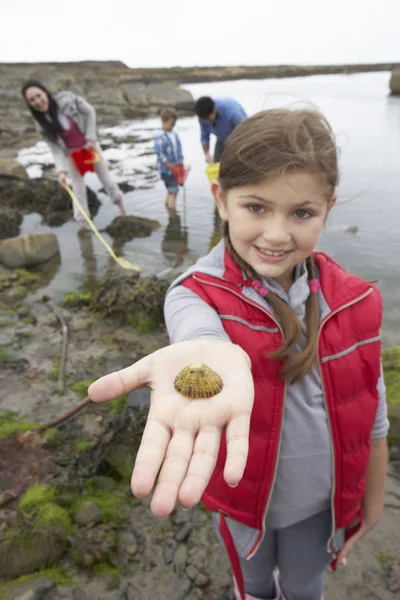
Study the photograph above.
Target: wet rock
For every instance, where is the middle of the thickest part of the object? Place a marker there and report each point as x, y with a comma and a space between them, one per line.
24, 553
89, 512
139, 299
125, 186
28, 250
121, 458
10, 220
352, 229
10, 168
35, 590
43, 196
183, 533
129, 227
395, 82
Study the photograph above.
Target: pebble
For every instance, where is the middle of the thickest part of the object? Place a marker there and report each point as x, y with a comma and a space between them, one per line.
168, 556
183, 532
180, 559
192, 572
201, 580
89, 512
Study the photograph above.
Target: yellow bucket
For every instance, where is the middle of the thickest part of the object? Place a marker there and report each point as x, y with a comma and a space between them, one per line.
212, 171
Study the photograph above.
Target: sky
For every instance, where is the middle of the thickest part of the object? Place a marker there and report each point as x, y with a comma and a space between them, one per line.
151, 33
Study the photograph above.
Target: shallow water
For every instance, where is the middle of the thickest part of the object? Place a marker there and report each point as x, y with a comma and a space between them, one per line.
367, 124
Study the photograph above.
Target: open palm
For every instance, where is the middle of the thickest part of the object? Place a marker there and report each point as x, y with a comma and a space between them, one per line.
182, 436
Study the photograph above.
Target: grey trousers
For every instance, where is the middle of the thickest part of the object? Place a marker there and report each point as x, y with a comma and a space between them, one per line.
300, 554
79, 187
218, 150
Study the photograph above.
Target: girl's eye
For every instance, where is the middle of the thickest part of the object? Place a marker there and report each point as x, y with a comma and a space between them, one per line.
255, 208
303, 214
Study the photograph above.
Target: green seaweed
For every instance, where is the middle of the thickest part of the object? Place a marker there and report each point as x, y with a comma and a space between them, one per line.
11, 424
81, 387
37, 496
58, 575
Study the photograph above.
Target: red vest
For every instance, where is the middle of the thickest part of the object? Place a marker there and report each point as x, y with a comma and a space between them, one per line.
349, 363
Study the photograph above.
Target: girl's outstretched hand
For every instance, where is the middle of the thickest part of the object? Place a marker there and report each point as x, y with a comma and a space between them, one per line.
182, 436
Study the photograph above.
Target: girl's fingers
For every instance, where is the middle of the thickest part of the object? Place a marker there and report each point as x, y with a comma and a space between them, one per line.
150, 456
123, 381
173, 472
237, 443
201, 465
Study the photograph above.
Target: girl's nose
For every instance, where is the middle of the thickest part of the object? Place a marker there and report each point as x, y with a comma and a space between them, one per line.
277, 232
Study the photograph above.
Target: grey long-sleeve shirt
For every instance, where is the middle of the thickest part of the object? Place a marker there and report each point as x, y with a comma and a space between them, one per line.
303, 484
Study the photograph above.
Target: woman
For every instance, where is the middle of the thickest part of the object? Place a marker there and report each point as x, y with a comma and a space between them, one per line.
67, 122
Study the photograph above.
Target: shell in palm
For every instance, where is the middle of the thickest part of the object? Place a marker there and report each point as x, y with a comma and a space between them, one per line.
197, 380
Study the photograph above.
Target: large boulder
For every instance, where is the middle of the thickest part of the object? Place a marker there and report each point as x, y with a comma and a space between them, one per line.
28, 250
10, 168
395, 82
140, 95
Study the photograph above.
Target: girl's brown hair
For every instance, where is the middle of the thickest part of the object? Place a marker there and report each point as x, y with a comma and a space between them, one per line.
268, 144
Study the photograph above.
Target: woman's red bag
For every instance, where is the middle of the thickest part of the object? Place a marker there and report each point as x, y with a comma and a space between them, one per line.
84, 159
180, 173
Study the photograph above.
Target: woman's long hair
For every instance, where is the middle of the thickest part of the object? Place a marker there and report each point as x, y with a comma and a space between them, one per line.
51, 125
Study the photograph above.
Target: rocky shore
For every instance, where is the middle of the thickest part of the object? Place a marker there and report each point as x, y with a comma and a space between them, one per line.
69, 526
119, 92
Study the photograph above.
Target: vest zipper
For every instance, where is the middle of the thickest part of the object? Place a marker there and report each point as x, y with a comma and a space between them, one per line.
324, 321
262, 534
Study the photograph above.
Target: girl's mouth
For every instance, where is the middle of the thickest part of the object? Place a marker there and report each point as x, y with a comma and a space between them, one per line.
271, 255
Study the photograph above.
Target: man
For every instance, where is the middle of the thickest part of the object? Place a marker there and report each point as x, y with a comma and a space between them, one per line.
220, 117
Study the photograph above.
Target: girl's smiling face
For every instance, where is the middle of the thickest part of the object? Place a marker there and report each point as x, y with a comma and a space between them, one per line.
275, 225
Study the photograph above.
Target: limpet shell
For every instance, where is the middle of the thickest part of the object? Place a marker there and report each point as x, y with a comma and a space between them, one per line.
197, 380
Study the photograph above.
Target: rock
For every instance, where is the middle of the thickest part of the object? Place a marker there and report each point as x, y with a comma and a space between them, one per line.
168, 556
125, 229
180, 559
121, 458
183, 532
90, 546
21, 554
34, 590
395, 82
9, 167
352, 229
10, 220
43, 196
201, 580
102, 482
28, 250
192, 572
89, 512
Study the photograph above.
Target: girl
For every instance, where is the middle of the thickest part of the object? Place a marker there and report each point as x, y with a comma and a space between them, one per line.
67, 122
291, 455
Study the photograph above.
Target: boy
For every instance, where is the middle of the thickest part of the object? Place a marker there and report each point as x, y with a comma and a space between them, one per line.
168, 149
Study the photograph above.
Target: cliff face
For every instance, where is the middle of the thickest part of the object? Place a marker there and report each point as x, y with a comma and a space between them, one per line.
116, 92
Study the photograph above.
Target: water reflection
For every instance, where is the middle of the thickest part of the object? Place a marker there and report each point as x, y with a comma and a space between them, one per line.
174, 245
89, 262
